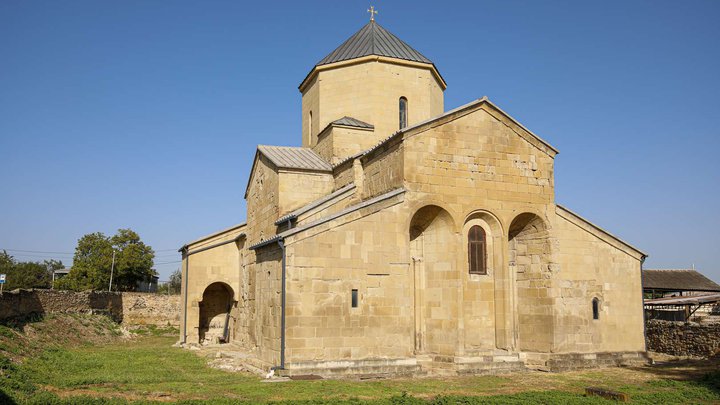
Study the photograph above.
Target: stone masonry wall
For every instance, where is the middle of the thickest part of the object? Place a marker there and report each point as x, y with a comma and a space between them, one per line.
680, 339
128, 308
150, 309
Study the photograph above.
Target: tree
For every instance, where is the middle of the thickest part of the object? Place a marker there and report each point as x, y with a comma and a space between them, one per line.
27, 274
175, 281
92, 263
173, 285
7, 262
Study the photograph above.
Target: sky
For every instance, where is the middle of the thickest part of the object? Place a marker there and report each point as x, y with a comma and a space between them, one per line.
146, 114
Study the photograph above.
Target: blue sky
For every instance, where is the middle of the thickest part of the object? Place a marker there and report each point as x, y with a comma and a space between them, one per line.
146, 114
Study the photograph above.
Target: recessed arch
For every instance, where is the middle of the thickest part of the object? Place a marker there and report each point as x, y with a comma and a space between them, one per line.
427, 216
495, 224
215, 313
523, 221
423, 204
433, 250
487, 292
529, 256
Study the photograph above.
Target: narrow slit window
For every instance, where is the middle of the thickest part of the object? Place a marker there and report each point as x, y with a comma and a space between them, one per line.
403, 112
596, 308
477, 250
354, 296
310, 129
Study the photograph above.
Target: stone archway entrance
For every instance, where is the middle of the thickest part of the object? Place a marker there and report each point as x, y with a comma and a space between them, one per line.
215, 321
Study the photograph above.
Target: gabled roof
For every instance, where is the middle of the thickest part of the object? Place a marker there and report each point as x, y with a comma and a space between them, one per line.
677, 280
288, 157
372, 39
598, 231
352, 122
214, 234
459, 110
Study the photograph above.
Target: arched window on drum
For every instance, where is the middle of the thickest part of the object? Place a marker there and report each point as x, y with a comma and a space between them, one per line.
403, 112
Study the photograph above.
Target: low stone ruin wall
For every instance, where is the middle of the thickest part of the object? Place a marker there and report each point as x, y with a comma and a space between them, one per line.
128, 308
151, 309
680, 339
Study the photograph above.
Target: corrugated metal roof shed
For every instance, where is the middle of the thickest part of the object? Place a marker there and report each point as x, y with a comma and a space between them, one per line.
372, 39
288, 157
690, 300
677, 280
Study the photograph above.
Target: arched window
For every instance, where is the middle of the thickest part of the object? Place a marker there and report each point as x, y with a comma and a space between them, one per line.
596, 308
403, 112
477, 250
309, 141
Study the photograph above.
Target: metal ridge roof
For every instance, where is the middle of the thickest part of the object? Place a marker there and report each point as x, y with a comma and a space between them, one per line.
320, 201
372, 39
217, 233
352, 122
293, 231
688, 300
289, 157
677, 280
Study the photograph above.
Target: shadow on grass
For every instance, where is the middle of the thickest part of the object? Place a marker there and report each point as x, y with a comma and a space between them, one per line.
5, 398
18, 323
704, 373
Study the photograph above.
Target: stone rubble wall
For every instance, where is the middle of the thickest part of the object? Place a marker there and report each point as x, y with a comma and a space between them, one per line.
680, 339
150, 309
128, 308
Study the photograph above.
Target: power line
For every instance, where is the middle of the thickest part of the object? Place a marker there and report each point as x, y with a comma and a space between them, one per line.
72, 253
39, 251
41, 256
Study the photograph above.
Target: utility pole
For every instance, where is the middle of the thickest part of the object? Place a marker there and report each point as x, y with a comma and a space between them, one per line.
112, 269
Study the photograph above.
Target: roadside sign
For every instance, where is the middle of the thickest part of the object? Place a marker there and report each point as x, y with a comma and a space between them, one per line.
2, 278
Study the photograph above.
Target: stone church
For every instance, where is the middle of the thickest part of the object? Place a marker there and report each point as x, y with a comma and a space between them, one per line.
405, 239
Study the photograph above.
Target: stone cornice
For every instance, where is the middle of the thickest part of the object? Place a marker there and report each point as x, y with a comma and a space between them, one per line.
372, 58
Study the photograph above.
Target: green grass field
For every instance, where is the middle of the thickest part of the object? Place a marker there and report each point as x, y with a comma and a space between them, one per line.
147, 369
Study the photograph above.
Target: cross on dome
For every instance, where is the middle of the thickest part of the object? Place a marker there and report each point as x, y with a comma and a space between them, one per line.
372, 12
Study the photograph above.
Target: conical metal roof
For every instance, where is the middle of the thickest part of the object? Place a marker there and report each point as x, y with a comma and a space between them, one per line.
372, 39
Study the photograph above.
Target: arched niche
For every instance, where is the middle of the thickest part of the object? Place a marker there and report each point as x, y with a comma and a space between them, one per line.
434, 249
215, 324
529, 256
486, 297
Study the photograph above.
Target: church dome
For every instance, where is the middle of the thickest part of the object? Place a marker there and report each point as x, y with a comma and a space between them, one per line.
372, 76
373, 39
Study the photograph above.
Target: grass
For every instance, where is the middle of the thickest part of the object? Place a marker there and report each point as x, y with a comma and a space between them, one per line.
147, 369
153, 330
